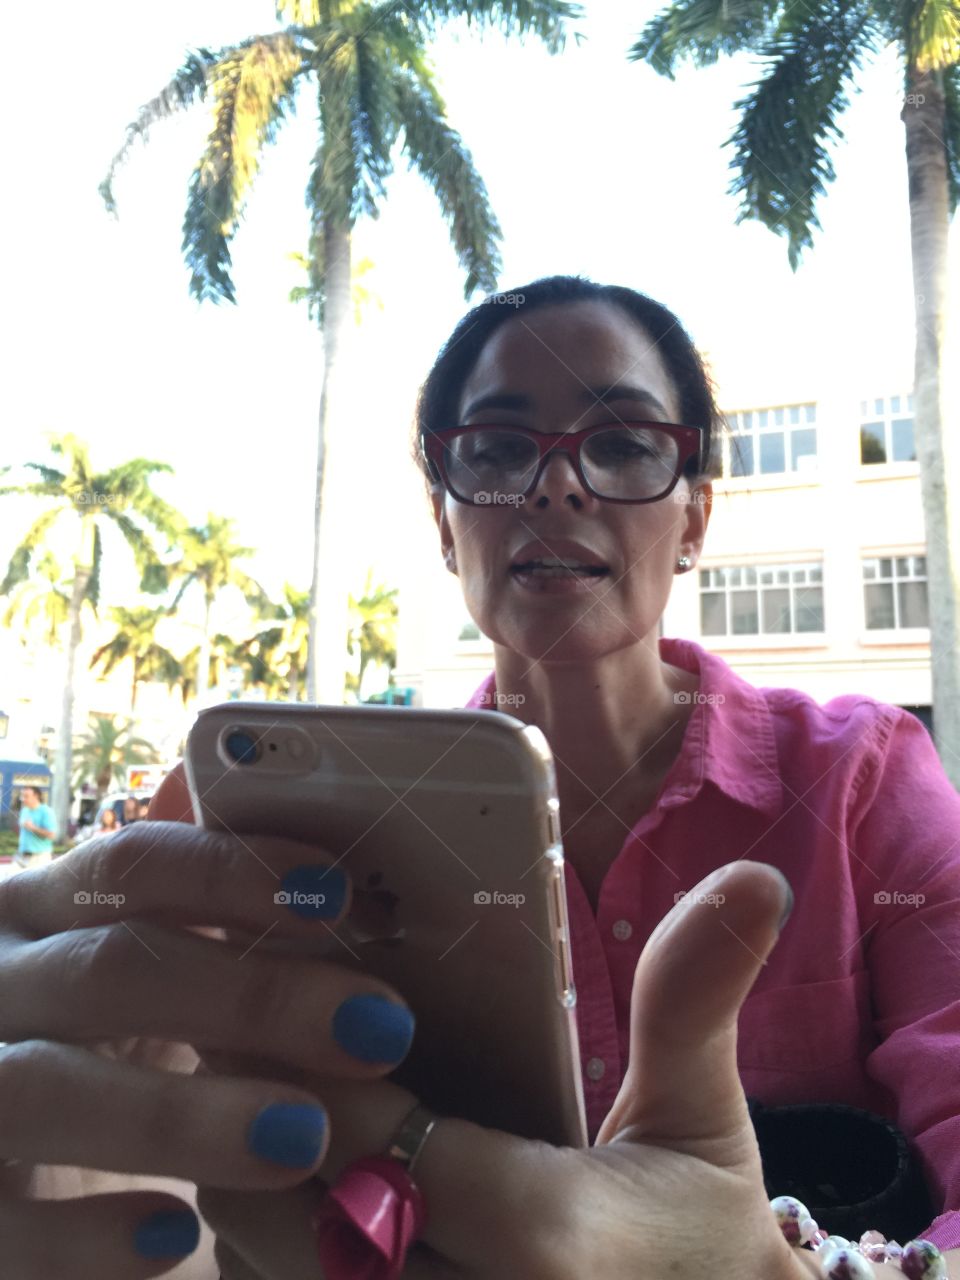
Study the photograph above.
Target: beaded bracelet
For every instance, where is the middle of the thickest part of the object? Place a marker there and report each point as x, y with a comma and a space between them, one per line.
841, 1259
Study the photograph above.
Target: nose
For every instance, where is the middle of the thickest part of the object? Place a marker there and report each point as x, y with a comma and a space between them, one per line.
559, 483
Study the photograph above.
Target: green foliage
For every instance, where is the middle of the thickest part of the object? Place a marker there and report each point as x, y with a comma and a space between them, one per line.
950, 81
105, 751
781, 160
375, 86
252, 88
134, 642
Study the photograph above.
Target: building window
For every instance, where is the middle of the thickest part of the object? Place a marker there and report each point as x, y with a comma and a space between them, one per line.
886, 430
895, 592
770, 442
761, 600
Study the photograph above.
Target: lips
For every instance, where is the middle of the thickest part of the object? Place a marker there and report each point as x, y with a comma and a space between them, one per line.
558, 557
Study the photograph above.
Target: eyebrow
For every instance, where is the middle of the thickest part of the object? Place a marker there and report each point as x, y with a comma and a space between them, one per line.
589, 395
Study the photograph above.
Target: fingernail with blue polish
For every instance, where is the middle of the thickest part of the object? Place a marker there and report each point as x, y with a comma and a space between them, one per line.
171, 1234
316, 893
288, 1133
787, 906
373, 1029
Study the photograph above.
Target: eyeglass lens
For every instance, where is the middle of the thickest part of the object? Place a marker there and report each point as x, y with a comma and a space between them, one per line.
627, 462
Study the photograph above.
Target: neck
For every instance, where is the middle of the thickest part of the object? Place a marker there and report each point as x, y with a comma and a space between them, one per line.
613, 725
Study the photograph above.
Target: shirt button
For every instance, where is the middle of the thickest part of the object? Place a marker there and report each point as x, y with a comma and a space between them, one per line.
622, 930
595, 1068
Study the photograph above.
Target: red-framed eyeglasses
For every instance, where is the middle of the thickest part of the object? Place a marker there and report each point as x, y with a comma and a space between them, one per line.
615, 461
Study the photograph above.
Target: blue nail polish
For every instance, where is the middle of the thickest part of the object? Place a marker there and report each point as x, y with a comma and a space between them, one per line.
168, 1234
316, 893
373, 1029
288, 1133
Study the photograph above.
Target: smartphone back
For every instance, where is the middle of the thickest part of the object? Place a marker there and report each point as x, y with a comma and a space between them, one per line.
447, 824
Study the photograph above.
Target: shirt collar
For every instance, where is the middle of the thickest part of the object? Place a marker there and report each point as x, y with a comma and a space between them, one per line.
729, 739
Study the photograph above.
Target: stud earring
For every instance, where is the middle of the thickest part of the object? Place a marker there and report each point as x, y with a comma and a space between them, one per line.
683, 564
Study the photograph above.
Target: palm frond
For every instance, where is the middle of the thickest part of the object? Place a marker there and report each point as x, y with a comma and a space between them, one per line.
19, 568
545, 19
93, 586
253, 87
375, 121
700, 31
50, 474
436, 151
187, 86
332, 191
950, 81
139, 543
781, 162
933, 35
299, 13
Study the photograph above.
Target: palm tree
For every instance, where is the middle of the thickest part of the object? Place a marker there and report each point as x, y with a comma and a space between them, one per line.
42, 603
208, 559
282, 648
373, 630
134, 640
367, 66
105, 752
781, 167
83, 502
222, 653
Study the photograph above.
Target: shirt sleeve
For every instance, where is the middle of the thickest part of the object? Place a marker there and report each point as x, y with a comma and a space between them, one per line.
905, 854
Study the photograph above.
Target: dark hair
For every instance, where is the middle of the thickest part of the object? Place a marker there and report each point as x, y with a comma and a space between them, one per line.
438, 401
30, 787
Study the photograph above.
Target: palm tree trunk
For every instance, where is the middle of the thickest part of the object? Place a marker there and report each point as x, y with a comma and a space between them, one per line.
326, 661
63, 763
203, 658
924, 120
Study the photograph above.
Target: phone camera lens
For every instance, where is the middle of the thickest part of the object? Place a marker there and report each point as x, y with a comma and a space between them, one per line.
241, 747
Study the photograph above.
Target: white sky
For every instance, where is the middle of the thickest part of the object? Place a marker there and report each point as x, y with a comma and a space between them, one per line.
593, 165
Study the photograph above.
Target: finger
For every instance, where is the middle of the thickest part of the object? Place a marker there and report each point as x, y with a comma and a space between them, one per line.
171, 801
139, 979
62, 1105
283, 1244
682, 1087
132, 1236
458, 1164
172, 872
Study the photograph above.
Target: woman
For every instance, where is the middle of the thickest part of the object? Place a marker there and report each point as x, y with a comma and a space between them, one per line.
663, 792
108, 822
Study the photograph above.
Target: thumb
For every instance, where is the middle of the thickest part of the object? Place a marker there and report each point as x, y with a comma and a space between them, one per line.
681, 1087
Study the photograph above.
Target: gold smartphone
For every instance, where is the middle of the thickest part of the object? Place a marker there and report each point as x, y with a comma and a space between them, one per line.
447, 823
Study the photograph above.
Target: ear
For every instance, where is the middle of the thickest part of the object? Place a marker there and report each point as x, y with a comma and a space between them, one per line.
438, 499
696, 518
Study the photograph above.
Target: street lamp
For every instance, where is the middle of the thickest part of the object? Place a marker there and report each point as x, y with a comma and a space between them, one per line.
4, 724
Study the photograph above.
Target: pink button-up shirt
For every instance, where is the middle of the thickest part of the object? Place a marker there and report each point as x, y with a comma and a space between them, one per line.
859, 1002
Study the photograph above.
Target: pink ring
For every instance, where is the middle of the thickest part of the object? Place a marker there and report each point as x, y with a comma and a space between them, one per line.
368, 1220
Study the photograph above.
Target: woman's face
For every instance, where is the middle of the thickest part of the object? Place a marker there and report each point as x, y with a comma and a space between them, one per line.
564, 368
